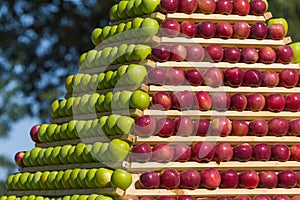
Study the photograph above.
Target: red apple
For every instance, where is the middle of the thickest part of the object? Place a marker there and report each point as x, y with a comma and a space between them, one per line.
224, 7
166, 198
178, 52
187, 6
182, 153
144, 126
242, 152
162, 153
147, 198
210, 178
232, 55
280, 197
270, 79
169, 6
160, 53
267, 179
234, 77
149, 180
238, 102
201, 127
141, 153
19, 158
224, 30
203, 151
256, 102
249, 55
267, 55
294, 127
34, 133
203, 101
248, 179
128, 197
165, 127
195, 53
220, 101
276, 31
190, 179
194, 77
183, 100
242, 197
184, 126
185, 197
252, 78
206, 29
261, 152
278, 126
220, 126
288, 78
284, 54
175, 76
258, 7
170, 28
239, 128
157, 76
215, 52
223, 198
281, 152
161, 101
229, 179
258, 127
258, 31
295, 152
188, 29
275, 102
206, 6
287, 179
169, 179
213, 77
223, 152
298, 179
262, 197
241, 30
241, 7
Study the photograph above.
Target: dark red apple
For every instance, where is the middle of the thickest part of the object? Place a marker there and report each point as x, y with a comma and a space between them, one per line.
203, 101
178, 52
220, 101
280, 197
238, 102
239, 128
249, 55
295, 152
258, 31
161, 101
188, 29
194, 77
258, 7
224, 7
175, 76
224, 30
160, 53
287, 179
275, 102
128, 197
252, 78
270, 79
213, 77
298, 179
184, 126
157, 76
195, 53
201, 127
169, 6
284, 54
170, 28
262, 197
267, 55
241, 7
288, 78
190, 179
203, 151
276, 31
278, 126
147, 198
141, 153
165, 127
210, 178
294, 127
223, 152
206, 29
169, 179
206, 6
166, 198
223, 198
215, 53
149, 180
185, 197
241, 30
242, 152
248, 179
242, 197
144, 126
262, 152
162, 153
229, 179
220, 126
281, 152
34, 133
182, 100
232, 55
234, 77
255, 102
267, 179
258, 127
19, 158
187, 6
182, 153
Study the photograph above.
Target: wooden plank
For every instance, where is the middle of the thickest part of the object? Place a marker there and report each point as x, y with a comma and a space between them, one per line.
233, 115
135, 167
227, 89
233, 140
157, 15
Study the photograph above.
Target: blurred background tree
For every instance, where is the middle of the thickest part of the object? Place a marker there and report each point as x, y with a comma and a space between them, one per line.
41, 42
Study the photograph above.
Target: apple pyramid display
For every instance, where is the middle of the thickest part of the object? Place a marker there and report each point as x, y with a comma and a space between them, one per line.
179, 100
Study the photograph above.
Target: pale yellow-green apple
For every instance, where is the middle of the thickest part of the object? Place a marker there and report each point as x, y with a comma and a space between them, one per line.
70, 157
75, 197
129, 52
98, 59
9, 181
51, 180
29, 181
43, 180
121, 53
95, 36
136, 27
150, 6
279, 21
94, 82
15, 181
83, 104
124, 99
119, 34
141, 52
120, 73
89, 59
61, 109
40, 159
34, 156
78, 154
107, 79
107, 101
54, 109
73, 178
94, 128
102, 156
86, 133
136, 74
81, 60
102, 177
76, 82
113, 13
55, 155
85, 81
69, 84
111, 124
127, 31
50, 132
87, 156
121, 10
36, 180
79, 128
81, 178
100, 103
296, 48
42, 132
102, 197
105, 55
56, 136
47, 155
65, 179
64, 153
140, 100
101, 81
89, 178
91, 104
113, 57
121, 179
115, 100
149, 27
76, 105
102, 122
92, 196
23, 181
124, 125
71, 129
118, 150
95, 150
69, 106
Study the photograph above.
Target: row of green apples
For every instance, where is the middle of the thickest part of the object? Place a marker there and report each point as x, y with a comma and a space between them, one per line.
99, 103
114, 151
125, 75
138, 27
68, 197
120, 54
109, 125
70, 179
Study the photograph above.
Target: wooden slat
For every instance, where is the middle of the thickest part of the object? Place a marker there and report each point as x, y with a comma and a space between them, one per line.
157, 15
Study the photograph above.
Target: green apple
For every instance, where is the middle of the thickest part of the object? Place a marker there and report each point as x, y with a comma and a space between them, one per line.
71, 129
22, 198
83, 197
98, 62
81, 60
66, 197
129, 52
89, 178
105, 33
83, 103
47, 156
51, 180
136, 26
62, 108
70, 157
102, 177
121, 53
57, 132
55, 155
76, 105
64, 153
87, 156
102, 156
102, 197
107, 101
89, 60
92, 196
100, 103
23, 180
65, 179
107, 79
140, 100
118, 150
101, 127
74, 197
130, 9
73, 178
63, 131
141, 52
42, 133
29, 181
81, 178
124, 125
137, 8
40, 157
100, 85
94, 82
15, 181
114, 79
77, 79
43, 180
124, 99
113, 13
69, 106
86, 133
279, 21
94, 127
119, 33
111, 124
78, 154
121, 10
54, 108
136, 74
95, 150
105, 55
121, 179
113, 57
150, 6
3, 197
79, 130
91, 104
127, 31
120, 73
50, 132
9, 181
33, 158
26, 158
69, 84
149, 26
12, 197
112, 32
114, 102
85, 81
296, 48
95, 36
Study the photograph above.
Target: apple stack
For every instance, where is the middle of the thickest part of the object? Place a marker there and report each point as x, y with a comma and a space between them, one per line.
179, 100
